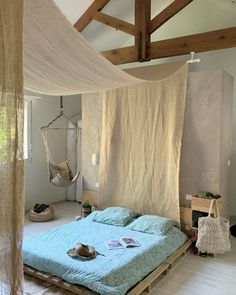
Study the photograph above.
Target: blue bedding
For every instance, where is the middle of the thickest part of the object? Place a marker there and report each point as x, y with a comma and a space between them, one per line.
114, 273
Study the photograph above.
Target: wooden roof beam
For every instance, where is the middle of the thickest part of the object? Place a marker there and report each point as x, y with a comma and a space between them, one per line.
219, 39
87, 17
142, 37
166, 14
114, 22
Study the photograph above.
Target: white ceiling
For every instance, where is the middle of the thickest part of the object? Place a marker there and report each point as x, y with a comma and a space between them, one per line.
222, 13
73, 9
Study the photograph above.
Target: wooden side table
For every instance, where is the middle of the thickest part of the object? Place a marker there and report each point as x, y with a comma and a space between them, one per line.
203, 205
186, 222
200, 205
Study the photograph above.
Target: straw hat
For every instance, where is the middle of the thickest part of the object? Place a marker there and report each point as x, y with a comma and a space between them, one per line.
82, 251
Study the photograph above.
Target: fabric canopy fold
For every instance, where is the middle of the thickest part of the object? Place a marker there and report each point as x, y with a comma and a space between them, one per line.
58, 60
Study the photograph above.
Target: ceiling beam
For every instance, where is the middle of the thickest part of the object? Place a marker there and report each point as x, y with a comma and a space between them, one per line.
121, 55
87, 17
166, 14
114, 22
219, 39
142, 19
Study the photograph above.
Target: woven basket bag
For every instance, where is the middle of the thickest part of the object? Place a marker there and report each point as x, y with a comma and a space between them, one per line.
213, 233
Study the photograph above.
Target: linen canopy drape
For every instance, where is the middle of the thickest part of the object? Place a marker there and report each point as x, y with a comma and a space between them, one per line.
11, 161
58, 60
142, 129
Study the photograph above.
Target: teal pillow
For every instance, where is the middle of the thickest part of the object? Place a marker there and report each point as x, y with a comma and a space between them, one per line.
115, 216
152, 224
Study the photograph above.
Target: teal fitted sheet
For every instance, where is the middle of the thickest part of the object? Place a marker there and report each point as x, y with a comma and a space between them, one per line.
114, 273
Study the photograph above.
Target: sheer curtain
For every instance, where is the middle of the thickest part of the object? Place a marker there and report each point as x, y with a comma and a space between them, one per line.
142, 128
11, 131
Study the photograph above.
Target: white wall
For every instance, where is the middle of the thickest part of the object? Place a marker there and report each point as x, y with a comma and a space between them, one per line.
37, 187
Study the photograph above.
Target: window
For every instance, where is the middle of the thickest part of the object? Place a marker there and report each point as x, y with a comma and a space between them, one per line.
8, 134
7, 131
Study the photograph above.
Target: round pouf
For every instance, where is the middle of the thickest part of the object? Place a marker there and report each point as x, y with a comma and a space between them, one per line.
46, 215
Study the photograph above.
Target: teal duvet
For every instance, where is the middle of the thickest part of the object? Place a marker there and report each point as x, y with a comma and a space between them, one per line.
114, 273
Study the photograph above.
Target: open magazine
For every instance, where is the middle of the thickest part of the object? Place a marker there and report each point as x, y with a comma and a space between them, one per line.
122, 243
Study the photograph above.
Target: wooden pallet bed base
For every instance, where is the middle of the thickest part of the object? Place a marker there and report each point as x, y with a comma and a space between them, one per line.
163, 268
145, 284
50, 280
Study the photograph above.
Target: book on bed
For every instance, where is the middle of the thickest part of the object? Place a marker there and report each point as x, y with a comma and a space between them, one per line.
122, 243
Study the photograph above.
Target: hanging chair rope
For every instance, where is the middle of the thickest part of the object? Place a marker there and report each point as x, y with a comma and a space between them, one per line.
59, 174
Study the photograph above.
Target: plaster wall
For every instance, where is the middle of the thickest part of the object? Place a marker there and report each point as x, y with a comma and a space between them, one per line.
91, 137
207, 138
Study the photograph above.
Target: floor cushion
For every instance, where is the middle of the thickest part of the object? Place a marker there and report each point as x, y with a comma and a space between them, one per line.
46, 215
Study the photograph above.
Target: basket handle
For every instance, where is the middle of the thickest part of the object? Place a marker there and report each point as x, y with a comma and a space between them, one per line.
211, 206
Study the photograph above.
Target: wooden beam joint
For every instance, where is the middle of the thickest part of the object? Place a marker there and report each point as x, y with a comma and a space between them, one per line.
219, 39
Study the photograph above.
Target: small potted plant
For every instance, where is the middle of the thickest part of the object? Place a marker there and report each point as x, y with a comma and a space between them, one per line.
86, 208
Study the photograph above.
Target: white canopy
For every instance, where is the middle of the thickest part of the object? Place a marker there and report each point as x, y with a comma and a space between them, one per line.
58, 60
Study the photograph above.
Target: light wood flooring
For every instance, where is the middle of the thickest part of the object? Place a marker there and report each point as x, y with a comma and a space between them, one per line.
193, 275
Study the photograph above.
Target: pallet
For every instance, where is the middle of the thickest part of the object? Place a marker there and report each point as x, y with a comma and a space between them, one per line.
51, 280
144, 285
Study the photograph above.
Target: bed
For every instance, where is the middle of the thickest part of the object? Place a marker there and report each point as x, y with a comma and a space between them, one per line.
114, 273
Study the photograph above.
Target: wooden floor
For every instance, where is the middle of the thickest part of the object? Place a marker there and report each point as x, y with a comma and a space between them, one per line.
192, 275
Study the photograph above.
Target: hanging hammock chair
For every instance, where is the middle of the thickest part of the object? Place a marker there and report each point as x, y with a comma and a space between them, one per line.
59, 174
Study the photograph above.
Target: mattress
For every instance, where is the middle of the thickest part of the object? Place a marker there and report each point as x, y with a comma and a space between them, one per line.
115, 272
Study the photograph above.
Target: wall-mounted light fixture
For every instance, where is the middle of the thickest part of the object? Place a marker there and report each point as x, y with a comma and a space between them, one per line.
95, 159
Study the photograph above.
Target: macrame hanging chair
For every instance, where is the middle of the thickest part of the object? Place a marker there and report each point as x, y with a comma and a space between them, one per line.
59, 174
